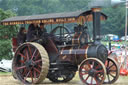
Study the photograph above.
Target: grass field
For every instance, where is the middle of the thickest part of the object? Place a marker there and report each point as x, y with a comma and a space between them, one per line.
9, 80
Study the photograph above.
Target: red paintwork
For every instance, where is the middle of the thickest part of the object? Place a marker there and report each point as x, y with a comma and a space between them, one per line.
14, 44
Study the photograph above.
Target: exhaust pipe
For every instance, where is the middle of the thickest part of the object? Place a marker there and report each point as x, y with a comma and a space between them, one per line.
96, 23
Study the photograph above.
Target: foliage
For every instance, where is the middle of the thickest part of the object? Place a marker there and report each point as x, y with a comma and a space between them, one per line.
6, 33
115, 23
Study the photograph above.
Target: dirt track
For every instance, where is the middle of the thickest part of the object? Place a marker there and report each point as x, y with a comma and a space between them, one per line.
9, 80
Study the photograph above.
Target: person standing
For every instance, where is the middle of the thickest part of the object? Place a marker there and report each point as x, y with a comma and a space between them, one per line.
32, 32
21, 36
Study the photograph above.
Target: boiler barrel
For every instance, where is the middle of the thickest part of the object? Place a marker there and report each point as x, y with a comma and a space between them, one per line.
78, 54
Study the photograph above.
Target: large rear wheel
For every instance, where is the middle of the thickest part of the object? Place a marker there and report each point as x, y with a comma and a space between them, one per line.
92, 72
30, 63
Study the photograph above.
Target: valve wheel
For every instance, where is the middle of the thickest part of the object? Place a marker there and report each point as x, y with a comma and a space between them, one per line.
92, 71
112, 71
30, 63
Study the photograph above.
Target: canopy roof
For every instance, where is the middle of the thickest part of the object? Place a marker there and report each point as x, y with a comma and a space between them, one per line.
53, 18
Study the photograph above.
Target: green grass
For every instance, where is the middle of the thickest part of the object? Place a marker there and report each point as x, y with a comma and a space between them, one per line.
112, 42
5, 73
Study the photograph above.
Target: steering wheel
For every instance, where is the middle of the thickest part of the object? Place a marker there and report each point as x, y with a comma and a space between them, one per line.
61, 32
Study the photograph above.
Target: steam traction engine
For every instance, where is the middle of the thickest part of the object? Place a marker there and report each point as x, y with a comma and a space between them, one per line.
59, 57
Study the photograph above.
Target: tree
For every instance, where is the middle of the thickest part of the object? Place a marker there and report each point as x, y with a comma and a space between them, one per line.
115, 23
6, 33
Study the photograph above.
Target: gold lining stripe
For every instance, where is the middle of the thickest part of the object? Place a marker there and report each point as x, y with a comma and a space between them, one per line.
74, 38
79, 38
86, 56
62, 51
70, 51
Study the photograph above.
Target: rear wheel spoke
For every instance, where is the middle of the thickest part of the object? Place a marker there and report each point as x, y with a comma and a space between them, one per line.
37, 55
33, 54
29, 50
27, 54
32, 77
25, 78
22, 55
22, 67
37, 70
40, 60
22, 61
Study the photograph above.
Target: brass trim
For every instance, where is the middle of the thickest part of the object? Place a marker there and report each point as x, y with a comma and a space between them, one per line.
73, 40
86, 56
96, 9
79, 38
62, 51
70, 51
64, 57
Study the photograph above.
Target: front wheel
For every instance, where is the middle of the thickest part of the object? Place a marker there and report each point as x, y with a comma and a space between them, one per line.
92, 71
30, 63
112, 71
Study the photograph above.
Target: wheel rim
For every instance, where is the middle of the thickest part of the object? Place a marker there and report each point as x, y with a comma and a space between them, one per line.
112, 71
28, 64
92, 71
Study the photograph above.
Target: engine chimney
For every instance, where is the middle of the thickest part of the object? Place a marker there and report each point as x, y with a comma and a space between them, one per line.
96, 23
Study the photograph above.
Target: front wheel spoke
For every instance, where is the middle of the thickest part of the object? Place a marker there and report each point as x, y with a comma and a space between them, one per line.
108, 78
100, 76
112, 75
100, 71
85, 68
22, 67
83, 74
89, 65
86, 78
96, 81
93, 63
112, 71
91, 80
98, 66
111, 66
108, 63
